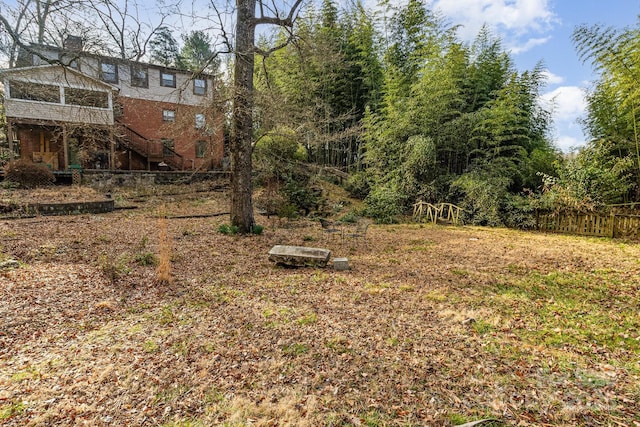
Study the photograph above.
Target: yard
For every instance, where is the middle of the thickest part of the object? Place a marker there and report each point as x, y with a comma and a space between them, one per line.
433, 325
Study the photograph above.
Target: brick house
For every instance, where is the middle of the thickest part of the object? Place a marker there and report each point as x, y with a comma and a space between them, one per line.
67, 107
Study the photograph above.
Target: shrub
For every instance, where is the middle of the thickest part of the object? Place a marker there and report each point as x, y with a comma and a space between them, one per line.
146, 258
358, 185
228, 229
520, 212
288, 211
384, 204
4, 158
350, 217
482, 197
114, 268
257, 229
28, 174
301, 195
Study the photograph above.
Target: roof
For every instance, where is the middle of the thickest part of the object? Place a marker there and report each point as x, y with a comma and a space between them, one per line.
36, 68
38, 46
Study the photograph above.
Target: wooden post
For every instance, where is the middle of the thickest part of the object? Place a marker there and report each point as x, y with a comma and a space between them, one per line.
65, 146
112, 150
10, 139
613, 226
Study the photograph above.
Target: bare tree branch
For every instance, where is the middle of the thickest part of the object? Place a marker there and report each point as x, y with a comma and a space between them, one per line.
276, 20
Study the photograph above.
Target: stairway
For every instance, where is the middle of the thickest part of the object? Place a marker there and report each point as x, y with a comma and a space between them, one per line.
152, 151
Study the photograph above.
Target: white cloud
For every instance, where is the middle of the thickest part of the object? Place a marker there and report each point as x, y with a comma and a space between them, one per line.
516, 15
568, 103
529, 44
568, 143
552, 79
511, 19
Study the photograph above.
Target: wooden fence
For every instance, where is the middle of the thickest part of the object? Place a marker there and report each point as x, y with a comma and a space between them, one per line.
613, 225
446, 212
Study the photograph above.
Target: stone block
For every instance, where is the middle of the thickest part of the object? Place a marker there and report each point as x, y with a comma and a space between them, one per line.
340, 264
299, 256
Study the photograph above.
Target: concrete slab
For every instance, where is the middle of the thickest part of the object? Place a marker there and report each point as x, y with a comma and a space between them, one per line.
299, 256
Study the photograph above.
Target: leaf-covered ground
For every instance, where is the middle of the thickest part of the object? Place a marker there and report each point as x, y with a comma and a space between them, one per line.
432, 325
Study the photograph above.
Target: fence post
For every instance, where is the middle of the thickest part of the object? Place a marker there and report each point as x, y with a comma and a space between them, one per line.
613, 225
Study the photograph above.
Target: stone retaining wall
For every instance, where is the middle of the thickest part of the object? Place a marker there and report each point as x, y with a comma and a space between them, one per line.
73, 208
105, 179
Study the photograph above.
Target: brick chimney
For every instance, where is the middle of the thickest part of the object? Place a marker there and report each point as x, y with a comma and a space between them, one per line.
73, 44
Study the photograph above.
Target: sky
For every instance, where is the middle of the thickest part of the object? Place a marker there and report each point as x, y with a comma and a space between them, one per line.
540, 30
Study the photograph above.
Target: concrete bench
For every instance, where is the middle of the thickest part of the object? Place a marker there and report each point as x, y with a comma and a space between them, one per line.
299, 256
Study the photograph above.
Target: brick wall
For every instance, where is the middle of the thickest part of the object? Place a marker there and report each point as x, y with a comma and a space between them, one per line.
146, 118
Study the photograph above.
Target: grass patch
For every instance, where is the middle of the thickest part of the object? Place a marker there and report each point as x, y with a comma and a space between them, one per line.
150, 346
482, 327
377, 288
435, 296
174, 392
21, 376
339, 345
11, 410
296, 349
420, 245
570, 310
308, 319
460, 272
166, 315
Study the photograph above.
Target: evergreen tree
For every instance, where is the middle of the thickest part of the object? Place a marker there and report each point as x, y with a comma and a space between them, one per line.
326, 79
163, 48
196, 53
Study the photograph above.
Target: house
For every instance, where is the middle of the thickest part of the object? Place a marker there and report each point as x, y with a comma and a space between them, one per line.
66, 107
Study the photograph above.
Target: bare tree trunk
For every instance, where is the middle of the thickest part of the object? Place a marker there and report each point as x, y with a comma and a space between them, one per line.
242, 118
242, 124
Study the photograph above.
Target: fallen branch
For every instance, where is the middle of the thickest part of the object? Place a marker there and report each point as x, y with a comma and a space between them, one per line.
198, 216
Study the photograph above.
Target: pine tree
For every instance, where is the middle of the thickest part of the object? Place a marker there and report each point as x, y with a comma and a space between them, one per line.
163, 48
196, 53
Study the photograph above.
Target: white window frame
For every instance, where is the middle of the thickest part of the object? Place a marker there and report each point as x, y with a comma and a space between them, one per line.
168, 115
201, 121
164, 82
199, 89
103, 74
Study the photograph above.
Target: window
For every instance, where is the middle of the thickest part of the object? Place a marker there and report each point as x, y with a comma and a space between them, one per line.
168, 115
168, 147
86, 98
167, 79
34, 91
200, 121
201, 149
109, 72
199, 86
139, 75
